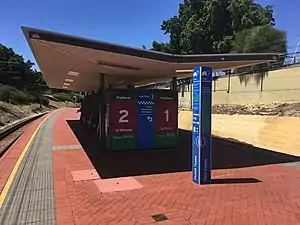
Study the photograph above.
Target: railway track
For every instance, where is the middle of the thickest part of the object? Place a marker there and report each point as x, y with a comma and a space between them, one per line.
11, 134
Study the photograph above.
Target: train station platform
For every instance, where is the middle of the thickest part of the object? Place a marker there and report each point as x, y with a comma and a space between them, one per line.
56, 173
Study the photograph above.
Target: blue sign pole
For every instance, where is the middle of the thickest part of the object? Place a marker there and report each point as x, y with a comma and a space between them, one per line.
201, 133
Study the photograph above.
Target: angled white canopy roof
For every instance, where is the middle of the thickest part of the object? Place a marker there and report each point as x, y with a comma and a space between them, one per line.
76, 63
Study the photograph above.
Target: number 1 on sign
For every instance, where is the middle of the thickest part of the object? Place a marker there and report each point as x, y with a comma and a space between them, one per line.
167, 115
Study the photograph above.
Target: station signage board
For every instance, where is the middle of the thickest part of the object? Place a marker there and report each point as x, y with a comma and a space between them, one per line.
145, 119
166, 117
201, 133
122, 120
142, 119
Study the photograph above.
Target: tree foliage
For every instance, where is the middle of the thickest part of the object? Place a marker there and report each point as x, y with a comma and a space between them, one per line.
19, 82
260, 39
16, 72
210, 26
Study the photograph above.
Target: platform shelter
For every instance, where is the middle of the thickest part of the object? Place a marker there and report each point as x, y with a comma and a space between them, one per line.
125, 117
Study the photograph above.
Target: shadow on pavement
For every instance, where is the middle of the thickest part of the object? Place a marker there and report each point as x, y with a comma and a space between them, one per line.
226, 154
235, 181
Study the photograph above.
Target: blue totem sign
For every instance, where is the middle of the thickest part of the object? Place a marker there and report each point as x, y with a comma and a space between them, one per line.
201, 133
146, 128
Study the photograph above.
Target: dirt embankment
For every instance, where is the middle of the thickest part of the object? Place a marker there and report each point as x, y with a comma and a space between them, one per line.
10, 113
276, 109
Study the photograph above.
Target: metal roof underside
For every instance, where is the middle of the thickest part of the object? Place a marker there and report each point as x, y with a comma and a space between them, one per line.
76, 63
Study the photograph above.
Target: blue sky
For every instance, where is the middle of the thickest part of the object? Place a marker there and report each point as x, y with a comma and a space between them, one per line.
133, 23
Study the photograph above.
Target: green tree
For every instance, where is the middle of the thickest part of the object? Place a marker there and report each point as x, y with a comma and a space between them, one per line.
260, 39
210, 26
161, 47
19, 82
17, 72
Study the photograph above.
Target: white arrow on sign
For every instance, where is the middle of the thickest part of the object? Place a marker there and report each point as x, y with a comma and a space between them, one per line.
149, 118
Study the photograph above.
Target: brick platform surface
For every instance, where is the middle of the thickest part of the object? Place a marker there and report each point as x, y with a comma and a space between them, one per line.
260, 195
236, 197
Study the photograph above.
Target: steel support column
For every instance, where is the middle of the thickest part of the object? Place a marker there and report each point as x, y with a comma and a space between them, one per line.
102, 111
173, 85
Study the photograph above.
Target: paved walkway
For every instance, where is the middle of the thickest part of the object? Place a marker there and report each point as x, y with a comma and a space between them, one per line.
64, 178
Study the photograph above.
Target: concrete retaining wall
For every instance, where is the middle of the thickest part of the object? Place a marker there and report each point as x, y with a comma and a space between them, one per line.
275, 86
279, 134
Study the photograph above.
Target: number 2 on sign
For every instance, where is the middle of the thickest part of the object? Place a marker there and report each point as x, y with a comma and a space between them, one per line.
167, 115
123, 117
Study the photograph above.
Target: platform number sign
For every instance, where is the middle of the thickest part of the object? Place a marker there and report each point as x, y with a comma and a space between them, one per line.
166, 116
122, 120
122, 116
166, 119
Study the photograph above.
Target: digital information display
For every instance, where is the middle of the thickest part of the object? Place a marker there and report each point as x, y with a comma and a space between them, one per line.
201, 133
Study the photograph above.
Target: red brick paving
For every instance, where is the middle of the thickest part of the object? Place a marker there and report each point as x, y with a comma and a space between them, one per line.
64, 134
275, 200
9, 159
64, 162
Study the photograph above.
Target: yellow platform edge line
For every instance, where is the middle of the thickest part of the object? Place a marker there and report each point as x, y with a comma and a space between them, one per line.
17, 165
